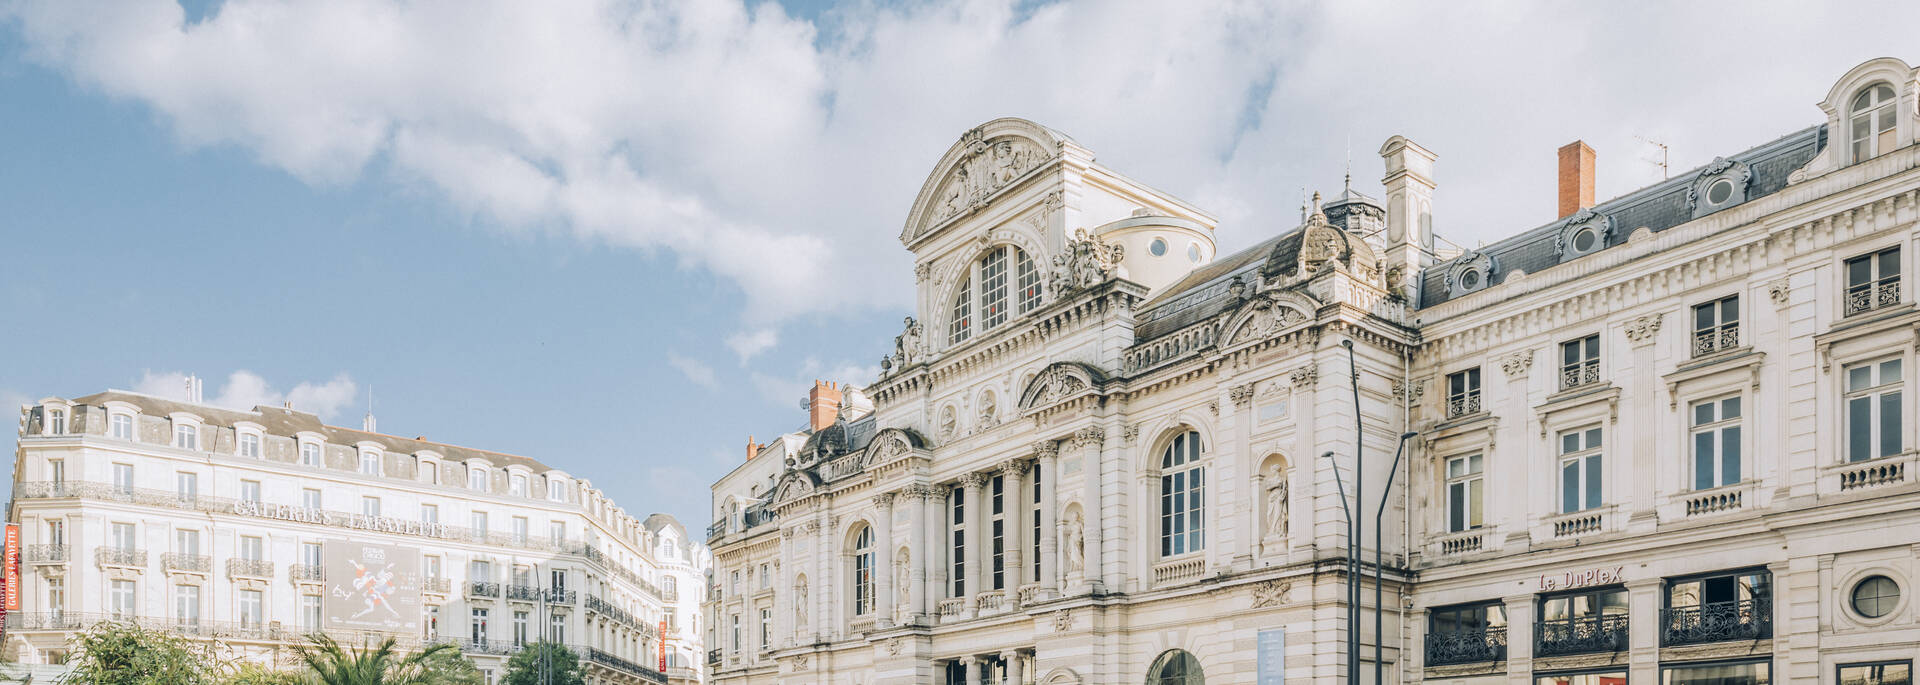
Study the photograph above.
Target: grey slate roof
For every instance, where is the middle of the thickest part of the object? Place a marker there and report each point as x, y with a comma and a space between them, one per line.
1657, 207
1202, 293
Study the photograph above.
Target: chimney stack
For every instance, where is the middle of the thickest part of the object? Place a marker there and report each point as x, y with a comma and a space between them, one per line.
1576, 177
753, 448
823, 404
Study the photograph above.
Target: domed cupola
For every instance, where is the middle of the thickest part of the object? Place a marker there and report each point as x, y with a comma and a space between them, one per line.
1319, 245
1357, 213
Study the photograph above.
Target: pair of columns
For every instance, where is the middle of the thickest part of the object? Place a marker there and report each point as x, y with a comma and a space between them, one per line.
1014, 672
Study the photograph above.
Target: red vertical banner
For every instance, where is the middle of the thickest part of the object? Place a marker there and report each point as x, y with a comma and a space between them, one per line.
13, 575
663, 646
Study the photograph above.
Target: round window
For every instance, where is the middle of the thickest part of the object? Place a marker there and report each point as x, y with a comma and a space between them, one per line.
1720, 191
1193, 252
1585, 240
1470, 279
1158, 247
1875, 597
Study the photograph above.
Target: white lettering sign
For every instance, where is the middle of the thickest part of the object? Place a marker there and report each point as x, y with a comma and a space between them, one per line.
1577, 579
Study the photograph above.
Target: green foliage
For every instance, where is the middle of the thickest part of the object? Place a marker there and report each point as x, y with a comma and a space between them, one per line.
255, 674
563, 666
121, 654
384, 664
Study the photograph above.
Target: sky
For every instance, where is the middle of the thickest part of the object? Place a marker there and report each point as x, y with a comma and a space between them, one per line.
622, 236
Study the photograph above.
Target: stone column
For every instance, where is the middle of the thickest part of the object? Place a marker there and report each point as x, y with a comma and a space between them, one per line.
1015, 673
1643, 629
820, 582
917, 497
972, 664
1087, 441
883, 561
1046, 469
1017, 500
976, 515
1520, 619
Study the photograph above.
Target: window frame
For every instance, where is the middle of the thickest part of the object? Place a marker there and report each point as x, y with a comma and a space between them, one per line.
1721, 334
998, 285
1181, 469
862, 572
116, 420
1580, 361
1666, 669
957, 546
1879, 289
1874, 109
1588, 457
1876, 394
1464, 398
1473, 513
1716, 430
1840, 669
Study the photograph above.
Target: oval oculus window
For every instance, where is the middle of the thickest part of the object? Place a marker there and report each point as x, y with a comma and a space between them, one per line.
1470, 279
1585, 240
1876, 596
1158, 247
1720, 191
1193, 252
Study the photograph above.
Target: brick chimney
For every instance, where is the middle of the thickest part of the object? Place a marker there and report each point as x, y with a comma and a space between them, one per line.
823, 404
1576, 177
753, 448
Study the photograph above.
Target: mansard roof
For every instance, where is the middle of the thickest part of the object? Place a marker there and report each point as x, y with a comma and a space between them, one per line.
1204, 292
1657, 208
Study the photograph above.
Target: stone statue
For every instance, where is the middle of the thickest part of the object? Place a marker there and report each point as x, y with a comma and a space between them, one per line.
1076, 543
1277, 503
1086, 262
800, 603
908, 344
987, 410
902, 577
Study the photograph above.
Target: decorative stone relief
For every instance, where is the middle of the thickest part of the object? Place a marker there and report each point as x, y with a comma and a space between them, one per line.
1090, 437
986, 167
1642, 330
1517, 364
1721, 184
949, 422
1046, 449
1572, 243
1779, 290
1411, 391
1241, 395
1304, 377
1062, 620
1087, 261
1213, 407
893, 647
1130, 432
1272, 593
1267, 319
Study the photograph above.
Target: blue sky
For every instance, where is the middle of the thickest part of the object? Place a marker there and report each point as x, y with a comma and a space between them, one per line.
556, 232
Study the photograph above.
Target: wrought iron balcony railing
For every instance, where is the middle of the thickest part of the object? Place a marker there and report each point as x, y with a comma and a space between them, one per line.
249, 568
47, 554
1581, 635
306, 572
119, 556
1867, 297
1467, 646
483, 589
1580, 374
1750, 619
1462, 405
596, 656
191, 563
1710, 340
713, 657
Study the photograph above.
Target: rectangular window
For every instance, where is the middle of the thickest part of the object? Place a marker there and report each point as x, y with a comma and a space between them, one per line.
1716, 443
1580, 362
557, 579
557, 532
310, 553
517, 485
120, 599
478, 520
123, 478
1882, 673
310, 498
957, 524
431, 566
186, 542
1034, 554
1873, 281
520, 530
1719, 607
1029, 283
556, 490
479, 571
57, 471
993, 289
186, 437
1582, 622
57, 595
1469, 633
250, 491
309, 454
766, 578
1749, 673
960, 320
1716, 326
557, 628
187, 486
766, 629
1463, 392
186, 604
370, 462
736, 633
1580, 470
998, 530
124, 537
250, 445
432, 627
1873, 409
56, 422
479, 629
429, 513
56, 532
519, 628
310, 612
252, 608
1588, 678
253, 548
121, 426
476, 478
1464, 497
370, 506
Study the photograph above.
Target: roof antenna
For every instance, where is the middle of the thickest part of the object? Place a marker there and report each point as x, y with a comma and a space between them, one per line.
1662, 149
1349, 182
1303, 204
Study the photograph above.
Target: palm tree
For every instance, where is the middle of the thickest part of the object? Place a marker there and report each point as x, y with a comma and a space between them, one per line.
382, 664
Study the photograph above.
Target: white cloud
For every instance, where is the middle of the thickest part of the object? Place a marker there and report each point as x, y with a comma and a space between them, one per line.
782, 156
791, 390
694, 370
749, 344
245, 390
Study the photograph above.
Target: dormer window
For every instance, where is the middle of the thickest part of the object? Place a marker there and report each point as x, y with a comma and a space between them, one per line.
477, 478
1871, 124
517, 485
309, 453
186, 435
995, 272
56, 421
370, 461
556, 490
250, 445
120, 426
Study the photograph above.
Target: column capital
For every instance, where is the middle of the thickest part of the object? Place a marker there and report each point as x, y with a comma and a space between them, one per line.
1046, 449
918, 491
972, 480
883, 501
1089, 437
1013, 468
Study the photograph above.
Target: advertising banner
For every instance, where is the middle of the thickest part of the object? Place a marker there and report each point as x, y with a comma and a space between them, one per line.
372, 587
663, 645
12, 576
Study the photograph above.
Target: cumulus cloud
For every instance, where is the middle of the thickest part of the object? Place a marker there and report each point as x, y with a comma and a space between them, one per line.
749, 344
781, 155
694, 369
245, 390
790, 390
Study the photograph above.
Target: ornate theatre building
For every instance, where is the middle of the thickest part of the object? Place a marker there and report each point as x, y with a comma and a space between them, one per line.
1661, 439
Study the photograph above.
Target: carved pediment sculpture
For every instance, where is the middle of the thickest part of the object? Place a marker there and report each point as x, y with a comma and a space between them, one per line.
1087, 261
796, 485
1269, 313
988, 166
1058, 383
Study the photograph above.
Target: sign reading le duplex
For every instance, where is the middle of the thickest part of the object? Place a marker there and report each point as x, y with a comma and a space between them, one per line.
1574, 579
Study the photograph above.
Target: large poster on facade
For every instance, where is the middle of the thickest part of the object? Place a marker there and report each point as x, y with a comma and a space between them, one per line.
372, 587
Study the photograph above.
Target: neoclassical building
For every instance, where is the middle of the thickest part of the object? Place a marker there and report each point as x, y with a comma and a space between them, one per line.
253, 529
1660, 439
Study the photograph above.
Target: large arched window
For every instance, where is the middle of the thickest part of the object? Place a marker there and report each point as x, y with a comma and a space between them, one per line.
1871, 121
1183, 481
1176, 667
863, 571
1009, 283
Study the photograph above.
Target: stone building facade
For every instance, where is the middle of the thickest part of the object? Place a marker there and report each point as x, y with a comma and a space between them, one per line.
248, 528
1663, 438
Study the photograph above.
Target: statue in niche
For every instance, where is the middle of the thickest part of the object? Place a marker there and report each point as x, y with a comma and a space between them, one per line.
902, 576
800, 603
1276, 502
987, 410
1076, 543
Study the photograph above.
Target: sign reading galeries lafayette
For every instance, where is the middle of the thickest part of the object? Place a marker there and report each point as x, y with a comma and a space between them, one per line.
380, 524
1579, 579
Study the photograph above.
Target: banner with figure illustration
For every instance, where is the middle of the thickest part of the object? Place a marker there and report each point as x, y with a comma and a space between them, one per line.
372, 587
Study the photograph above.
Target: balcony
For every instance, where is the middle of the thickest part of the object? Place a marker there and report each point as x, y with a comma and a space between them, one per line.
308, 572
1579, 523
716, 529
47, 554
1581, 374
1867, 297
483, 590
1875, 473
604, 608
1467, 647
1461, 543
529, 593
438, 585
952, 608
1582, 635
1750, 619
1717, 500
174, 562
249, 568
117, 556
1708, 341
1462, 405
713, 657
597, 657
